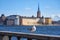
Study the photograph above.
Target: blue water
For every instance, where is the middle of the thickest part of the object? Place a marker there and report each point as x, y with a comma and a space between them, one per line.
50, 30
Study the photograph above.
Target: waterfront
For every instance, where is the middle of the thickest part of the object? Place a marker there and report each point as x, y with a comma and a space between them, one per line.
49, 30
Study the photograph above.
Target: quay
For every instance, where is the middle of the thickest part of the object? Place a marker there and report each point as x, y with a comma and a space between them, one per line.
6, 35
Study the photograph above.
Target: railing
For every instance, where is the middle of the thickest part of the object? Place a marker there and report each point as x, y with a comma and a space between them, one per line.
6, 35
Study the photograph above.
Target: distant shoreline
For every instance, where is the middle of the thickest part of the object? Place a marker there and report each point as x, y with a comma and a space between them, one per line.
35, 25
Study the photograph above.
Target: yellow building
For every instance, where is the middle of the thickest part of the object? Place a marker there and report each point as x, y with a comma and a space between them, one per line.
30, 21
48, 20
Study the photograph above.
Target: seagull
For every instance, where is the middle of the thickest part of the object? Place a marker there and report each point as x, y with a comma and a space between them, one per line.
33, 28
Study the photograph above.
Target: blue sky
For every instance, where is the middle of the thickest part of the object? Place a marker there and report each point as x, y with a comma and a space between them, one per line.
48, 8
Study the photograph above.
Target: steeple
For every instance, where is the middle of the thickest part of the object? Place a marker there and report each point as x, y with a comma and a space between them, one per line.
38, 7
38, 12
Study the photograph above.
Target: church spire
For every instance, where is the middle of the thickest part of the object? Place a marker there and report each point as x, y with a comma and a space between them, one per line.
38, 7
38, 12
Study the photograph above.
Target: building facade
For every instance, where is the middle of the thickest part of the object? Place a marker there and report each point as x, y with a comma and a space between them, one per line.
3, 17
1, 22
48, 20
30, 21
13, 19
10, 22
16, 20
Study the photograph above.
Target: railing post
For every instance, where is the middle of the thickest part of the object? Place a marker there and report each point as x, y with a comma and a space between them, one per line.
43, 39
18, 38
54, 39
1, 37
10, 37
58, 38
5, 37
40, 39
51, 38
29, 38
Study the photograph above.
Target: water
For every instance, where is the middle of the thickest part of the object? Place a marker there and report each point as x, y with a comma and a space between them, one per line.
49, 30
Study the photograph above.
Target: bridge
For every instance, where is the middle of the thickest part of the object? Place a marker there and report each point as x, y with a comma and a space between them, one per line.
7, 35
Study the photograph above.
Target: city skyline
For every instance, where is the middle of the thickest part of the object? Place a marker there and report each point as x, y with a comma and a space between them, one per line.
48, 8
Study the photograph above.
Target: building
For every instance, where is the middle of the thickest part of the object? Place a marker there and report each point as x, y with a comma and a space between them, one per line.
1, 22
32, 20
14, 19
42, 20
3, 17
10, 22
48, 20
56, 22
29, 21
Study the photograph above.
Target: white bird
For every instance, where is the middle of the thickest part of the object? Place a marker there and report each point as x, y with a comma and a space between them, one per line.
33, 28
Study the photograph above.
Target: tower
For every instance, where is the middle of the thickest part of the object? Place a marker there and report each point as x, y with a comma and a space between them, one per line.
38, 12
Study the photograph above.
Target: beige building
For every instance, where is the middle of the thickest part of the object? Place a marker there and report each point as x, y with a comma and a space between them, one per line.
29, 21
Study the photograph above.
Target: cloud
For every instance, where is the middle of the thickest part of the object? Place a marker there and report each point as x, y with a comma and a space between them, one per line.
47, 7
55, 17
27, 8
